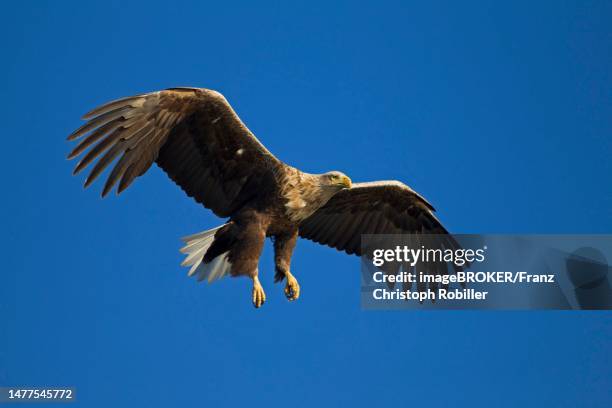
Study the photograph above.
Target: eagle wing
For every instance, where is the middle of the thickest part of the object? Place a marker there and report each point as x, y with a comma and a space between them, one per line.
193, 134
382, 207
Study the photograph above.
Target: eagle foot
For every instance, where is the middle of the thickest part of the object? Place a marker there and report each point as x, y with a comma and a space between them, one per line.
259, 296
292, 288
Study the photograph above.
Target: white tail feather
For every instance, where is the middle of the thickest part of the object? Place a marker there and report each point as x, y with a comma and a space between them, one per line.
195, 247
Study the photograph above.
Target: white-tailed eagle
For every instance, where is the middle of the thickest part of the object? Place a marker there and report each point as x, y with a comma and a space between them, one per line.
195, 136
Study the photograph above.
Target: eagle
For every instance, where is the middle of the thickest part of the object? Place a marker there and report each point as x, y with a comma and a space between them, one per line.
195, 136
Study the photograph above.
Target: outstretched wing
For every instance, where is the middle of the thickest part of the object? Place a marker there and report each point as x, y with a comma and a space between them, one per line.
193, 134
382, 207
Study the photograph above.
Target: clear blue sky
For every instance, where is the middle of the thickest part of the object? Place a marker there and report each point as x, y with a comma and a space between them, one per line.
500, 114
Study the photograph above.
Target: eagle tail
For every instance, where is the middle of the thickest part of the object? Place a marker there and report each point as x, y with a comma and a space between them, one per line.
195, 248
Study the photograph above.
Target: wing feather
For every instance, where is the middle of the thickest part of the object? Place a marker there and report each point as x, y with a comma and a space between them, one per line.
193, 134
103, 119
130, 101
94, 137
384, 207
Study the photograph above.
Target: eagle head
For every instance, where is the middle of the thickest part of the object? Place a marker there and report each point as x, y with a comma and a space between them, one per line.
335, 180
306, 193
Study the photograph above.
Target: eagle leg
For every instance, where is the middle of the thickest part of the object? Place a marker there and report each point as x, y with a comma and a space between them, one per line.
292, 288
283, 249
249, 237
259, 296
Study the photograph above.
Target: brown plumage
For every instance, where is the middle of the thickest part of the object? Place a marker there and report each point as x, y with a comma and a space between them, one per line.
196, 137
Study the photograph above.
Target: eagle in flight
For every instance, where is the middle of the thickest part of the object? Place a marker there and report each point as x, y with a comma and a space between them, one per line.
195, 136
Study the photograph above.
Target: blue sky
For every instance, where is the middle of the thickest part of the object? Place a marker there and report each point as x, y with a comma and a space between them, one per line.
499, 114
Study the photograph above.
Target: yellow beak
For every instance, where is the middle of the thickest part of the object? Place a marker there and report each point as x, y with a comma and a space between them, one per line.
346, 182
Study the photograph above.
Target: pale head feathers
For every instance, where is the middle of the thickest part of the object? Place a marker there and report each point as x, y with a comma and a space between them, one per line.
305, 193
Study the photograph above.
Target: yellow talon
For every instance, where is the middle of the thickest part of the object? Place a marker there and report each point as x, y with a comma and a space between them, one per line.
259, 296
292, 288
